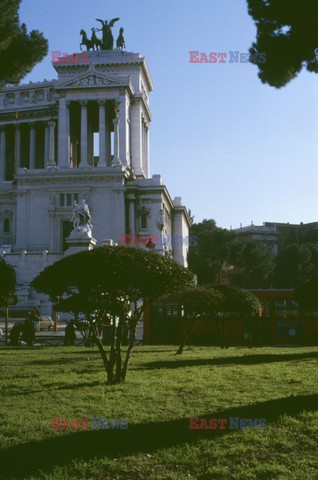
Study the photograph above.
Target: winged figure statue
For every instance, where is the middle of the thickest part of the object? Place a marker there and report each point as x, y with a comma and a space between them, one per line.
108, 39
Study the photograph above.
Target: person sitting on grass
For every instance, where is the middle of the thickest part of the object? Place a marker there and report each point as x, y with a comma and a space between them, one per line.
70, 333
15, 335
28, 331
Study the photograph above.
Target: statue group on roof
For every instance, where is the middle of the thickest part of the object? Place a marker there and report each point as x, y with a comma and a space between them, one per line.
107, 40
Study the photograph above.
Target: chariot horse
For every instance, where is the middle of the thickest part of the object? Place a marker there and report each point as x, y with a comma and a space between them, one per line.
86, 41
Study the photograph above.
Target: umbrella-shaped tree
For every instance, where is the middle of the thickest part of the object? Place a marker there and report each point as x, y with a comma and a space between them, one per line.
197, 304
215, 303
113, 282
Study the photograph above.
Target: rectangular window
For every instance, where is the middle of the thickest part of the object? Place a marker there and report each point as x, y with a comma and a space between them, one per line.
6, 225
143, 221
68, 199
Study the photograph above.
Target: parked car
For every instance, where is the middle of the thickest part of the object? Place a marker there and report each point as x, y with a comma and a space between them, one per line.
46, 323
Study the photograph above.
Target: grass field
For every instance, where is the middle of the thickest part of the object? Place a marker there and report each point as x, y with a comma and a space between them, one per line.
161, 392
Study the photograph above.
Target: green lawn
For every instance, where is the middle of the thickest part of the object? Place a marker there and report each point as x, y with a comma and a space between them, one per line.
161, 392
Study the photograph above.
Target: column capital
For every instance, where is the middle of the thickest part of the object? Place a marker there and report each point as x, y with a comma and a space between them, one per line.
101, 103
83, 103
51, 124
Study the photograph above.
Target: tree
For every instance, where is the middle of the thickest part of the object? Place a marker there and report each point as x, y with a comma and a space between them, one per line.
211, 252
7, 289
197, 304
293, 266
287, 32
215, 304
112, 282
7, 283
19, 51
307, 294
236, 304
253, 264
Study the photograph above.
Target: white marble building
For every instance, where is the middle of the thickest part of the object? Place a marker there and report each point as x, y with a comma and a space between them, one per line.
82, 136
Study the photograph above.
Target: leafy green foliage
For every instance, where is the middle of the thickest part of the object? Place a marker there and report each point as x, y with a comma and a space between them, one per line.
205, 302
201, 302
294, 265
119, 271
210, 303
307, 295
253, 264
7, 284
236, 300
19, 51
247, 264
211, 252
287, 32
104, 283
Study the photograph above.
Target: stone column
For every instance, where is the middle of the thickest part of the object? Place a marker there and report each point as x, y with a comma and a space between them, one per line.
17, 147
83, 134
102, 135
131, 199
123, 130
108, 141
116, 159
22, 220
51, 163
52, 220
32, 146
90, 143
146, 162
46, 144
64, 134
143, 144
2, 153
136, 138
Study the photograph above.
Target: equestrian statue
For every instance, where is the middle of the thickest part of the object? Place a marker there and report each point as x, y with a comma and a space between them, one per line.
107, 40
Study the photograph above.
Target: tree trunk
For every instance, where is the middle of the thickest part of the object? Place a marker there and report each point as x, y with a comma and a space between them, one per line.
109, 371
186, 336
112, 355
118, 349
131, 343
6, 324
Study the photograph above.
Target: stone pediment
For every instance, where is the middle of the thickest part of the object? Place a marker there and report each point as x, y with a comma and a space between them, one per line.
91, 79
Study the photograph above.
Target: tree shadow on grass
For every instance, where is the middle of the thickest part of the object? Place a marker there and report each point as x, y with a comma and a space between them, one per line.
244, 360
22, 461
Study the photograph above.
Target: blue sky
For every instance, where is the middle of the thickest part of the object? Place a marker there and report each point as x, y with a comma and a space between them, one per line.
236, 150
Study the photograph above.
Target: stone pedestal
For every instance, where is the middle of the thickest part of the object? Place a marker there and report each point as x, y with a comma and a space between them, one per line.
108, 242
80, 240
